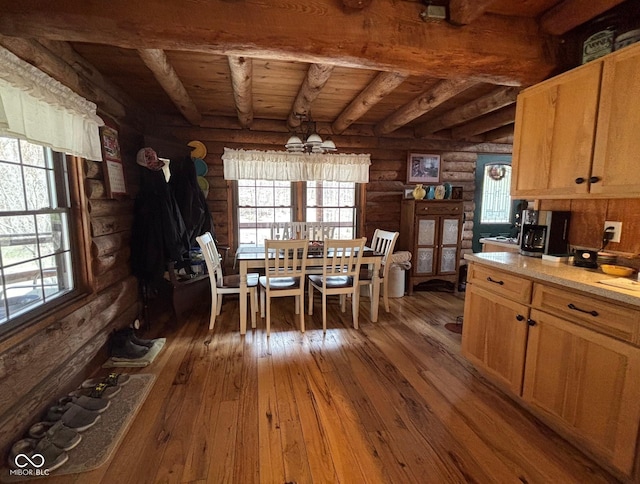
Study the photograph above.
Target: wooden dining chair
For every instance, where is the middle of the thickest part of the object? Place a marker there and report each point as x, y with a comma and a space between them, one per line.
221, 284
382, 242
285, 264
340, 275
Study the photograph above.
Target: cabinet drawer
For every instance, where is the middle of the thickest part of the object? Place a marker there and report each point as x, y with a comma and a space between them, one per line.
438, 208
500, 283
605, 317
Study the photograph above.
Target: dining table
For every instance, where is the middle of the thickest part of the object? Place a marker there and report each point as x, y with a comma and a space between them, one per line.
253, 257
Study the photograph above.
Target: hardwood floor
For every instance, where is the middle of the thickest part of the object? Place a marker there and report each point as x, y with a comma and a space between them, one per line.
391, 402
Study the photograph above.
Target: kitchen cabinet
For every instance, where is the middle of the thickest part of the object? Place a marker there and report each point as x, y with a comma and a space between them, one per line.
576, 134
571, 358
432, 231
587, 383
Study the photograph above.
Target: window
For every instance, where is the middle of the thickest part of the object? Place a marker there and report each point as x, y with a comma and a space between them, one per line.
496, 202
261, 203
335, 204
35, 248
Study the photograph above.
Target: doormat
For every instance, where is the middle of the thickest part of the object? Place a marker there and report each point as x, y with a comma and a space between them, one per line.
146, 360
101, 440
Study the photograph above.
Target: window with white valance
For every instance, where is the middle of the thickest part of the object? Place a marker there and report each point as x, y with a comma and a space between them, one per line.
37, 108
285, 166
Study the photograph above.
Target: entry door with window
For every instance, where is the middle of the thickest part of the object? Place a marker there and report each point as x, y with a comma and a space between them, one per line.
494, 213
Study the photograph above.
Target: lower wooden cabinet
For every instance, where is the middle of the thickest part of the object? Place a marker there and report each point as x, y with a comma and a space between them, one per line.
580, 377
586, 382
494, 336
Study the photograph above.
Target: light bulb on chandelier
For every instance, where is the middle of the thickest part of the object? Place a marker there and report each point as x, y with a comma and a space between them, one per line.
313, 142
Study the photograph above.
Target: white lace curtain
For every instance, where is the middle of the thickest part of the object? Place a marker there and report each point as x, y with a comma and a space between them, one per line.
281, 165
39, 109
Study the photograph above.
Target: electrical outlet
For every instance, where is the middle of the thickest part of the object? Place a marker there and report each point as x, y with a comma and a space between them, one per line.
617, 230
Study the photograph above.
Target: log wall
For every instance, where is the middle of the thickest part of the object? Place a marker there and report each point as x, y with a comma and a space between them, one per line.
41, 362
387, 174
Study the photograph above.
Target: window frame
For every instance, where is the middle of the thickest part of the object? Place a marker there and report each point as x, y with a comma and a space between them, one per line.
74, 205
298, 211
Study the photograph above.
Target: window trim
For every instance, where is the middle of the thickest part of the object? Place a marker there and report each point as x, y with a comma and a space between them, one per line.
298, 209
80, 249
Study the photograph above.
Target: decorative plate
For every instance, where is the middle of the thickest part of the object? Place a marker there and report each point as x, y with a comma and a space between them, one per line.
201, 166
203, 184
199, 149
447, 190
440, 192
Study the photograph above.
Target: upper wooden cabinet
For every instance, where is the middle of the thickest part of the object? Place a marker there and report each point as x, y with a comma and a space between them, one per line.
576, 134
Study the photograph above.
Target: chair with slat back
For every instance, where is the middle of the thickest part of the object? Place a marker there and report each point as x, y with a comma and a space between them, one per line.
340, 275
285, 263
221, 284
382, 242
301, 230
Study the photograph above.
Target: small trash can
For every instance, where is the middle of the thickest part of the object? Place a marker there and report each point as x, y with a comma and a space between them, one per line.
399, 264
396, 281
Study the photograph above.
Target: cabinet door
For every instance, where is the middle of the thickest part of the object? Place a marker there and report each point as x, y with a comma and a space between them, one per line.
554, 135
494, 336
426, 237
586, 382
448, 247
617, 147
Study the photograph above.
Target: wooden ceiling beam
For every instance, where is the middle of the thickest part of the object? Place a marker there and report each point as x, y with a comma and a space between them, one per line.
242, 80
479, 107
503, 134
463, 12
425, 102
385, 36
486, 123
156, 60
381, 86
571, 13
317, 77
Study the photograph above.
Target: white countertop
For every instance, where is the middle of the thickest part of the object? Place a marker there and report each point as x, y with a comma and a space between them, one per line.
563, 274
500, 241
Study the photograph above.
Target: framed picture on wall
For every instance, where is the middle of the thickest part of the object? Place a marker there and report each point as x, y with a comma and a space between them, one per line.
112, 163
423, 168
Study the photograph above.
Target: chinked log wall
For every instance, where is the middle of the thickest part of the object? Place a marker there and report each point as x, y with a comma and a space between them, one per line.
42, 362
387, 174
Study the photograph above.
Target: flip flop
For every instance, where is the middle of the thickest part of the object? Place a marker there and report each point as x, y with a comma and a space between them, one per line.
111, 380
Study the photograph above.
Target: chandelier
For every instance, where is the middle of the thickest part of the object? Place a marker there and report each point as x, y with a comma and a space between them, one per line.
313, 142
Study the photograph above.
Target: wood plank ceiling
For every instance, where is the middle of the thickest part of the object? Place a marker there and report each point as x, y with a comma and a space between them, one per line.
368, 67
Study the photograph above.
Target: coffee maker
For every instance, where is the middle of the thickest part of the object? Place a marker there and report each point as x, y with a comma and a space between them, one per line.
544, 232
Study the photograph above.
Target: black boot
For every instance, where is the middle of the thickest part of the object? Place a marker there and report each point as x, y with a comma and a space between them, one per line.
123, 347
131, 333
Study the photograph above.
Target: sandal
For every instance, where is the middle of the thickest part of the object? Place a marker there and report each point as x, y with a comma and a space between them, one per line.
99, 391
111, 380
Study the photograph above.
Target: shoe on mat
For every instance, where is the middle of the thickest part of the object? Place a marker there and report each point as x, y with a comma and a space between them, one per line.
58, 433
111, 380
131, 334
73, 416
88, 403
122, 346
101, 390
36, 454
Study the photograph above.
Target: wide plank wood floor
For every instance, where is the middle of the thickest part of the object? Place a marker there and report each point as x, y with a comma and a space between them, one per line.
391, 402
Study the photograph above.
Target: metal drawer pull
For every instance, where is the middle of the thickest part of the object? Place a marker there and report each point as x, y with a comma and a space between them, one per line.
573, 306
493, 280
594, 179
520, 317
580, 181
531, 322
